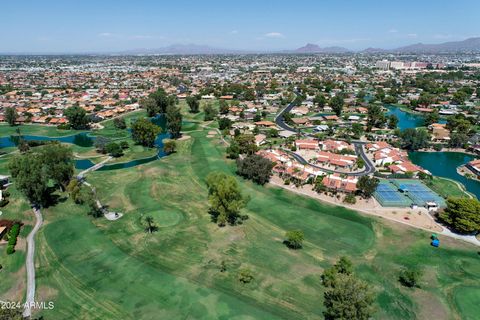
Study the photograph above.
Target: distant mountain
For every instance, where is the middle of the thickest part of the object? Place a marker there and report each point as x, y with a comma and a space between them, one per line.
313, 48
374, 50
470, 44
184, 49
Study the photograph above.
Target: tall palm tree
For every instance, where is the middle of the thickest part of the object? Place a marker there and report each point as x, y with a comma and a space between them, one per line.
151, 227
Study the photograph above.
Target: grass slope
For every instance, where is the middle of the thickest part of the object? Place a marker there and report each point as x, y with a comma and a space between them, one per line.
99, 269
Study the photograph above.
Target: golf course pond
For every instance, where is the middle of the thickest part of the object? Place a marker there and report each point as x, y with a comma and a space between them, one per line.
444, 164
441, 164
407, 119
86, 139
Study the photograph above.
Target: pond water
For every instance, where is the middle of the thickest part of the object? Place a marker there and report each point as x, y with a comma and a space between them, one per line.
80, 139
444, 164
85, 140
407, 119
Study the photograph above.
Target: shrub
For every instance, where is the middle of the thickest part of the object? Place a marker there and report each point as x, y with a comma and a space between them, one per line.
350, 198
294, 239
245, 276
410, 277
12, 238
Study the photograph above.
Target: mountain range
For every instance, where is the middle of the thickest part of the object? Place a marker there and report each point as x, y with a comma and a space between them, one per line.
467, 45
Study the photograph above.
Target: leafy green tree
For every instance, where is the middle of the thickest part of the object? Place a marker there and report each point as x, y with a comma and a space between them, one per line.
32, 171
414, 139
349, 298
120, 123
392, 121
144, 132
193, 104
375, 117
410, 277
357, 130
158, 102
337, 103
459, 123
174, 121
320, 100
224, 123
459, 97
318, 185
150, 105
225, 198
223, 106
294, 239
11, 115
246, 143
114, 149
210, 112
256, 168
367, 186
77, 117
58, 161
233, 150
458, 140
346, 296
432, 117
462, 215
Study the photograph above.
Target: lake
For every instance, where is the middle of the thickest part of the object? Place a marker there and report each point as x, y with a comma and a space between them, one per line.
84, 139
444, 164
407, 119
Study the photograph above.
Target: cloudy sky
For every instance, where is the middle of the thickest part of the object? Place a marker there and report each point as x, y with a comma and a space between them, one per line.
107, 25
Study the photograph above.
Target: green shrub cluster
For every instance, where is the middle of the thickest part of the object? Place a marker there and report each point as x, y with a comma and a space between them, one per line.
12, 238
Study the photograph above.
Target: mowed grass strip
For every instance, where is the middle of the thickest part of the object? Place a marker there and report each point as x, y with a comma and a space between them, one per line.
175, 272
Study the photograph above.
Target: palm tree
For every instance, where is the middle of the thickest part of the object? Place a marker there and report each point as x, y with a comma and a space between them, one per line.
150, 227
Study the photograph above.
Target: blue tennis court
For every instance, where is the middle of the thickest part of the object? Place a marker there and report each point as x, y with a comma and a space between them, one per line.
419, 193
388, 195
404, 193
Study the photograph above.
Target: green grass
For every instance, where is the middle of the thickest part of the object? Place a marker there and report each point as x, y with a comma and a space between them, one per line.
467, 299
100, 269
12, 275
36, 130
97, 269
447, 188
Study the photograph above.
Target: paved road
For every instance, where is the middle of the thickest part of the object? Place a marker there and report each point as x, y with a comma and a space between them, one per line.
30, 263
369, 167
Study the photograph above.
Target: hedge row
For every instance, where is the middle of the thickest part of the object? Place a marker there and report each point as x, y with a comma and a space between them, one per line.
12, 238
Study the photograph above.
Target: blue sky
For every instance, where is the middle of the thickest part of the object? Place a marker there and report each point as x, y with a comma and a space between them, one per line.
96, 26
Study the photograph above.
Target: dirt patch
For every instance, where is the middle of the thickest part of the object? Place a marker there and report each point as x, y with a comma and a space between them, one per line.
212, 132
45, 293
430, 307
184, 137
210, 136
17, 290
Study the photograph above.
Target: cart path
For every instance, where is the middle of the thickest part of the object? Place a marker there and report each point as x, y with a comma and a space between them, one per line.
30, 263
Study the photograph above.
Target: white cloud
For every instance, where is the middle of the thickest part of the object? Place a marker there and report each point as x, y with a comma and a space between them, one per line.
274, 35
393, 30
412, 35
234, 32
